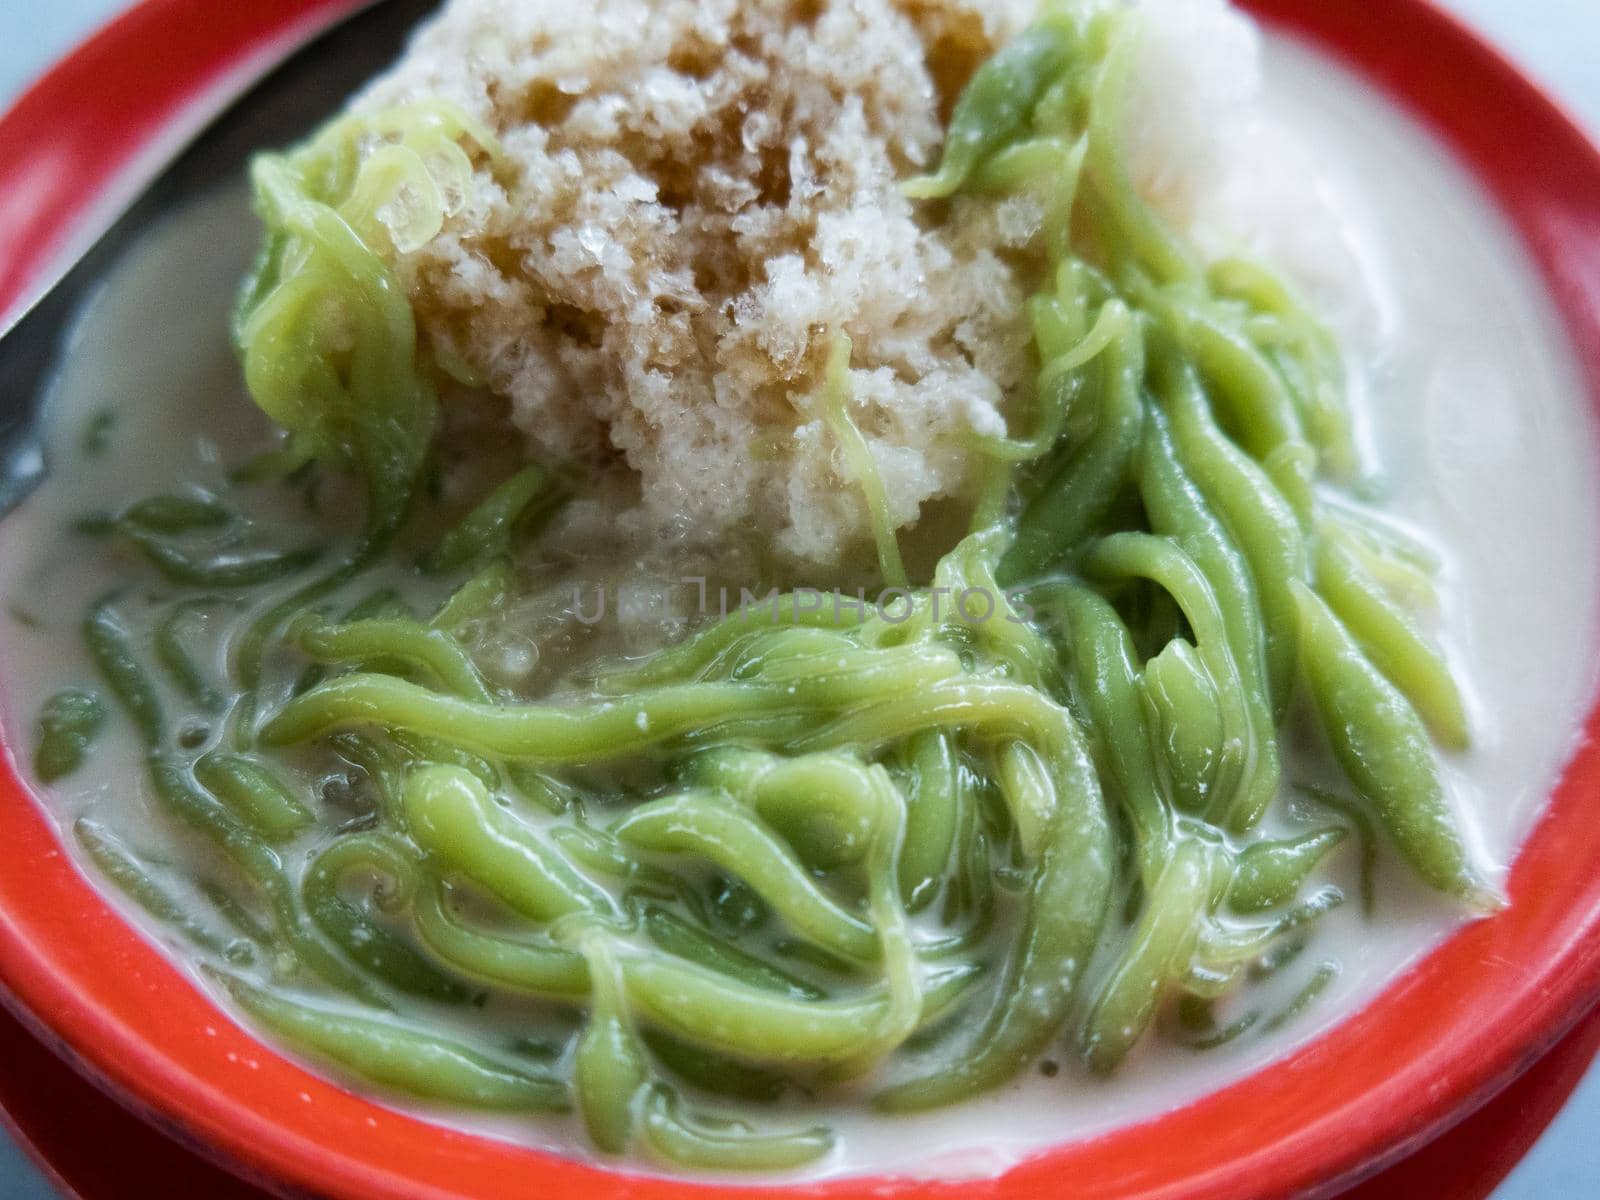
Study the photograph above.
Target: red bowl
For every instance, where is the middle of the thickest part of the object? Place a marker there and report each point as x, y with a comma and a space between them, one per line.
91, 1148
1439, 1041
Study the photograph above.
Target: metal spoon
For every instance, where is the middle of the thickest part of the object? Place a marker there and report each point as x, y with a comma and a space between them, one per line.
291, 99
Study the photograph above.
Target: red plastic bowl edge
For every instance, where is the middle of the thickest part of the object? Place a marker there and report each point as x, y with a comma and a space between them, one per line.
1309, 1125
69, 169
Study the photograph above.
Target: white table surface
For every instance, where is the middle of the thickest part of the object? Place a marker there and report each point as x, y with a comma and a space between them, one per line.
1558, 41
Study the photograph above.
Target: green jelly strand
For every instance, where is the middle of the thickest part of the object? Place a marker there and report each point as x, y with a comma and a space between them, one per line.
1383, 747
69, 722
400, 1056
994, 107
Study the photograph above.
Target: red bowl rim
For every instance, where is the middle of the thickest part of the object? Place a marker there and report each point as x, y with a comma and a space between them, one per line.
1439, 1041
